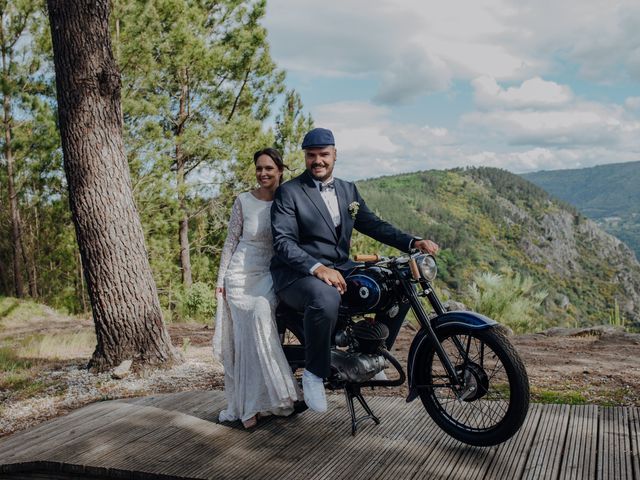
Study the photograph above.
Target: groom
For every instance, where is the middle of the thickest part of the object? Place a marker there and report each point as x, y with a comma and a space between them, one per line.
312, 218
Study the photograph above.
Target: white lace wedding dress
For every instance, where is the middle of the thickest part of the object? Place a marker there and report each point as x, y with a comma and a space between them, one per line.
257, 376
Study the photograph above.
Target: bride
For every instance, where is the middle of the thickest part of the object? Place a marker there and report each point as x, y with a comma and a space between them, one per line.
257, 379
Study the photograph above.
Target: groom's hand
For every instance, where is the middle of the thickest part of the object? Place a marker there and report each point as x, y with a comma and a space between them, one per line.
427, 246
331, 277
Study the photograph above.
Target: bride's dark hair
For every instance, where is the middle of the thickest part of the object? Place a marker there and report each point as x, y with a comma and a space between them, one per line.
274, 155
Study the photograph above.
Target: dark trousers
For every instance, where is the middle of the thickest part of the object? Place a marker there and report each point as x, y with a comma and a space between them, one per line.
320, 303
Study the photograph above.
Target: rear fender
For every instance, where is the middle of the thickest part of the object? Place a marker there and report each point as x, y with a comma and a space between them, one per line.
470, 320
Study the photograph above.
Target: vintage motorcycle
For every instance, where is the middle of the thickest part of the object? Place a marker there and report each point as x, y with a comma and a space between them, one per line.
470, 379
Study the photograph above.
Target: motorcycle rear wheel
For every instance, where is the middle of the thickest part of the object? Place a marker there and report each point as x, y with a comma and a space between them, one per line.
494, 400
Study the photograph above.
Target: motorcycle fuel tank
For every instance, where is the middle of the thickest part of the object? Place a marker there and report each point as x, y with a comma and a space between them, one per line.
366, 292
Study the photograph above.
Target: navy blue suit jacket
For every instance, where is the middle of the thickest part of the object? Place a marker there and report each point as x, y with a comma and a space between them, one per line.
303, 232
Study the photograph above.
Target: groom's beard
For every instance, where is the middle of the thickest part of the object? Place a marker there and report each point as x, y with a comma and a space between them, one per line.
326, 176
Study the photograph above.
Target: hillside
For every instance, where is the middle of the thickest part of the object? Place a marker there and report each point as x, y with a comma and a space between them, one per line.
489, 220
608, 194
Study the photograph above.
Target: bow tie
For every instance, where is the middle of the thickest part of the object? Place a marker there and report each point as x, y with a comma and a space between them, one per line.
328, 187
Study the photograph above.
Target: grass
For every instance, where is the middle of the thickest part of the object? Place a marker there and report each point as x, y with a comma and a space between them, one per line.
59, 346
17, 375
568, 397
18, 313
10, 362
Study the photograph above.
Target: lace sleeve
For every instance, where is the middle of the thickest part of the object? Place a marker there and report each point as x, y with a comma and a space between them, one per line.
233, 237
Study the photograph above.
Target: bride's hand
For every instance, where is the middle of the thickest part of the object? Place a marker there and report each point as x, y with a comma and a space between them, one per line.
221, 291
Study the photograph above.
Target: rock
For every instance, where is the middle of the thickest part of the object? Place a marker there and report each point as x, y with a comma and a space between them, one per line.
122, 370
451, 305
507, 331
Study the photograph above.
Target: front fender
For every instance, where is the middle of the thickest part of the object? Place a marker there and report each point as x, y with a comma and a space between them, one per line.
470, 320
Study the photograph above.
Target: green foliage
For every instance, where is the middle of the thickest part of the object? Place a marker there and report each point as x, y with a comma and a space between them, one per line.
615, 318
566, 397
291, 125
195, 304
485, 220
608, 194
10, 362
509, 299
198, 84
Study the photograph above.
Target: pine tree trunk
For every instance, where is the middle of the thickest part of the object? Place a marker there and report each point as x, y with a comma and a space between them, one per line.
28, 260
183, 228
122, 292
14, 212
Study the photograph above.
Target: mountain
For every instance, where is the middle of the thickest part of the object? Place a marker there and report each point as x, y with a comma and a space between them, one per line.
490, 220
608, 194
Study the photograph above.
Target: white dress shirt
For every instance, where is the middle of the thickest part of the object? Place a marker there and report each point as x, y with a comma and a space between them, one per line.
331, 201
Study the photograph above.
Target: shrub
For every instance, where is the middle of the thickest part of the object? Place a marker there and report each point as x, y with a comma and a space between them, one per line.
510, 299
196, 304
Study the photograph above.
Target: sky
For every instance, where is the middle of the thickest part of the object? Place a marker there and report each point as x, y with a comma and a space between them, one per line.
413, 85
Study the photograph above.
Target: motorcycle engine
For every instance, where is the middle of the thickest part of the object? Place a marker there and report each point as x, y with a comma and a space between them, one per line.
361, 362
369, 336
356, 367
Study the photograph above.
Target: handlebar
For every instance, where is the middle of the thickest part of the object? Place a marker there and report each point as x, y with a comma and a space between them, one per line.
379, 259
367, 258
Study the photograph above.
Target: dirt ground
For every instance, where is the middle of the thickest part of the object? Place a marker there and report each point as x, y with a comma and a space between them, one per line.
591, 365
599, 365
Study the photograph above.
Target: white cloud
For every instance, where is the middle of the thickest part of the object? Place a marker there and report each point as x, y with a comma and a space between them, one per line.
414, 73
507, 50
632, 103
370, 144
533, 93
581, 124
421, 46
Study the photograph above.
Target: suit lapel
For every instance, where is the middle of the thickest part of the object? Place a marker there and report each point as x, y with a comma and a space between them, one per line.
309, 187
341, 193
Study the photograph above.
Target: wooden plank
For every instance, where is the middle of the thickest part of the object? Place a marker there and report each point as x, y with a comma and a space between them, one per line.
614, 452
166, 436
102, 436
414, 432
579, 458
380, 442
263, 443
342, 448
121, 434
67, 430
415, 445
508, 460
546, 449
633, 414
313, 429
55, 425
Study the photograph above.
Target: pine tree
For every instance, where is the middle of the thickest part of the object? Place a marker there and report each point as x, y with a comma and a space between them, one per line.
123, 294
16, 20
291, 126
198, 78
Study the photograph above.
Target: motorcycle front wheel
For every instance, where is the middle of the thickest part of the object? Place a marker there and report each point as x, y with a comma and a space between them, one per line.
493, 401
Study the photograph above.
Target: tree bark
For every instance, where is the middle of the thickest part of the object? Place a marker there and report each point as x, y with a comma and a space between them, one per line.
183, 227
16, 236
122, 292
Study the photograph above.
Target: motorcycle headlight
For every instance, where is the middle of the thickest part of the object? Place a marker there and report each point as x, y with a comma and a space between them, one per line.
427, 266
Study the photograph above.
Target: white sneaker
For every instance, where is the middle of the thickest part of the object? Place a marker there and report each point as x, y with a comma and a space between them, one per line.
313, 389
380, 376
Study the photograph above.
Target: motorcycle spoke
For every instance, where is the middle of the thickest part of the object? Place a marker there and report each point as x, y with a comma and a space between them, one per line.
491, 406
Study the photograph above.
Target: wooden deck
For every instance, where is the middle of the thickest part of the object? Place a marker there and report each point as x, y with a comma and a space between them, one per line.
177, 436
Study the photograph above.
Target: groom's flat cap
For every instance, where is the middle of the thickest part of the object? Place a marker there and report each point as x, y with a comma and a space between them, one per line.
318, 137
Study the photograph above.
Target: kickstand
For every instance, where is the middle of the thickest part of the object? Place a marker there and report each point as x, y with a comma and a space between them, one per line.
351, 392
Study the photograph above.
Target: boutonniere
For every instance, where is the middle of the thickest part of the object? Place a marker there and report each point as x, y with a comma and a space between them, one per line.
353, 209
